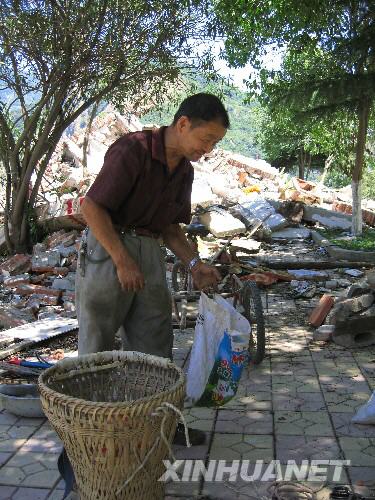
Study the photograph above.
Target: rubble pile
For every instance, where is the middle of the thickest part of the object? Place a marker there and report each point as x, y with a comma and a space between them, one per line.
41, 285
350, 321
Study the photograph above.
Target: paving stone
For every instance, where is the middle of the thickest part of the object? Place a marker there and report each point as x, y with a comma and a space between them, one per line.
301, 369
293, 383
30, 493
360, 451
50, 445
238, 490
300, 448
6, 492
363, 480
247, 400
329, 367
56, 494
242, 446
184, 489
18, 432
345, 403
344, 385
7, 418
200, 418
327, 353
298, 401
344, 426
35, 422
11, 444
4, 457
244, 422
194, 452
309, 423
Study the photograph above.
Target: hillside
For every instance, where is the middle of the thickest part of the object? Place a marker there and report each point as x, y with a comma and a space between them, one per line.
241, 137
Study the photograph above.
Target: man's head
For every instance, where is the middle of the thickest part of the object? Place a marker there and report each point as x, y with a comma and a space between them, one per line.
200, 123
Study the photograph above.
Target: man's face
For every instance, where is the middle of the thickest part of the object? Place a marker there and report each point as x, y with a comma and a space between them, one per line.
199, 140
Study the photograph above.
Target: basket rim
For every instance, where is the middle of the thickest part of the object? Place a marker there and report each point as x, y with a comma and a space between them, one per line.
110, 356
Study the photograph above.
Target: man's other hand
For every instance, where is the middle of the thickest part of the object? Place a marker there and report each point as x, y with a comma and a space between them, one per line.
130, 277
205, 276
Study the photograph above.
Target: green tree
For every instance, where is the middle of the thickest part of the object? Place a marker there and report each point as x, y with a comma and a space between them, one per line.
59, 57
340, 36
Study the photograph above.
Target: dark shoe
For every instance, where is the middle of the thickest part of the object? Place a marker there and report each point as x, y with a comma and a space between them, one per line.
196, 436
66, 471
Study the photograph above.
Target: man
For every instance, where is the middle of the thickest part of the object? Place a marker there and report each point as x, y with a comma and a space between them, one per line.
143, 193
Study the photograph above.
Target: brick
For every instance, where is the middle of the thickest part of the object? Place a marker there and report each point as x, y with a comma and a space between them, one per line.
320, 312
324, 333
19, 263
37, 289
14, 281
45, 300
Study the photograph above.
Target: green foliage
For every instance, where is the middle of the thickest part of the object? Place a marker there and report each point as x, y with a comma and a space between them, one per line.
368, 186
58, 58
365, 242
244, 117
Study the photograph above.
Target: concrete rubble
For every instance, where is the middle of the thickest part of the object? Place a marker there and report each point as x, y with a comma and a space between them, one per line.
234, 196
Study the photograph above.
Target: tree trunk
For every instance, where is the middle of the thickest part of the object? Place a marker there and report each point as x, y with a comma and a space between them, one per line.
327, 165
301, 164
86, 139
363, 114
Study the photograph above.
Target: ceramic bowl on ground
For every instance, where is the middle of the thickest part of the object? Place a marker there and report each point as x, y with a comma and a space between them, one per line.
22, 400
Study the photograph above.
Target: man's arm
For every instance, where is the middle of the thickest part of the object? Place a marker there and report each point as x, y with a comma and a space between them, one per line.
100, 223
203, 274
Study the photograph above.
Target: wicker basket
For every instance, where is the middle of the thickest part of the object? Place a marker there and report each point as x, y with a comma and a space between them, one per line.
106, 409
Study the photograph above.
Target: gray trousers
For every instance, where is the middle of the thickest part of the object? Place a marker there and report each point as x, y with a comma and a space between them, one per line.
145, 317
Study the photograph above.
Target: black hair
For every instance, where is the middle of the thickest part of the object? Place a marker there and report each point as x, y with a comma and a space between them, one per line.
202, 107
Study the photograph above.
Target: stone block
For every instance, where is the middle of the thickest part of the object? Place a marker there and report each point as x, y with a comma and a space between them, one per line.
221, 223
324, 333
19, 263
292, 233
63, 284
358, 304
44, 261
357, 331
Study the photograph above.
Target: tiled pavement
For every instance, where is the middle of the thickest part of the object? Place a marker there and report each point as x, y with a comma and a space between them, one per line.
297, 405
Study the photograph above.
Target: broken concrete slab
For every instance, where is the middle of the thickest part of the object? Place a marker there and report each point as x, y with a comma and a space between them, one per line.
357, 331
327, 218
221, 223
324, 333
292, 233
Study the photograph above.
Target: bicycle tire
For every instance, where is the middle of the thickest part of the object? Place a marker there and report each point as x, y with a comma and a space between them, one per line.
253, 311
180, 277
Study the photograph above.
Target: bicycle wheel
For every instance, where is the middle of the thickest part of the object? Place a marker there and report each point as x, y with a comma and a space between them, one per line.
251, 302
180, 277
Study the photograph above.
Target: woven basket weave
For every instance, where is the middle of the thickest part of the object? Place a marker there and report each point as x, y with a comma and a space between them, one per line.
103, 407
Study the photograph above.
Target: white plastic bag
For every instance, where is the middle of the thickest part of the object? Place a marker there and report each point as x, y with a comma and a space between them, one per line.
366, 413
215, 317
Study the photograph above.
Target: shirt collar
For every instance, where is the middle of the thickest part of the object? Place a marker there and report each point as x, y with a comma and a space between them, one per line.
158, 147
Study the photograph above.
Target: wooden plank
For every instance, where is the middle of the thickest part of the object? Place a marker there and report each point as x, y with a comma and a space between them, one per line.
32, 333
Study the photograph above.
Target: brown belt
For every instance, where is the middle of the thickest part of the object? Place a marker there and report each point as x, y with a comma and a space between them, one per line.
138, 231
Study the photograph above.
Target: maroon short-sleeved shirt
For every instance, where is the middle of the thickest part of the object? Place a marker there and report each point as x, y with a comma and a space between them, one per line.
136, 188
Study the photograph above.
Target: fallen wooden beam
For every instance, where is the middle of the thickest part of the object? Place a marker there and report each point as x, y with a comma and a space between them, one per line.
309, 264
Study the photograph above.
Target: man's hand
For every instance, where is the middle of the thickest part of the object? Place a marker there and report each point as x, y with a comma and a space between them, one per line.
205, 276
130, 277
